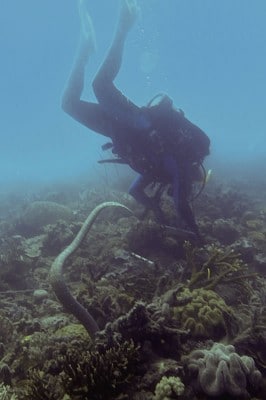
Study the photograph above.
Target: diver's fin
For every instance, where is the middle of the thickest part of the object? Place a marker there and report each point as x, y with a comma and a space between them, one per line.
179, 233
86, 24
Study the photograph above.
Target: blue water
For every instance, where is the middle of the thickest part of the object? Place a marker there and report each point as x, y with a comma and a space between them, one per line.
209, 56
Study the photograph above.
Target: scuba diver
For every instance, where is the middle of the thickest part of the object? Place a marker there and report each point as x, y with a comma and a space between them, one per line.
157, 141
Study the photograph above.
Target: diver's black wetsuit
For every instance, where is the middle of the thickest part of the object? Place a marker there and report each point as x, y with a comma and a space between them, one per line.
130, 128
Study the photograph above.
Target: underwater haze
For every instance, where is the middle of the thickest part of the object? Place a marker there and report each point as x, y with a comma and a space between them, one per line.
209, 56
151, 291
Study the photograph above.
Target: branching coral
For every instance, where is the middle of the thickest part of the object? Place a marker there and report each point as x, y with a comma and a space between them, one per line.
56, 272
6, 393
92, 374
11, 250
221, 370
14, 263
6, 328
221, 266
41, 387
99, 374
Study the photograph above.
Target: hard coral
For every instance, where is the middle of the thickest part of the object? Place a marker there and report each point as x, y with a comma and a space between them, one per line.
221, 370
169, 387
98, 375
92, 374
40, 213
221, 266
203, 314
7, 393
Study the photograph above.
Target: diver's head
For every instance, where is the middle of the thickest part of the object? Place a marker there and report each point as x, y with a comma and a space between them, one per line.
161, 110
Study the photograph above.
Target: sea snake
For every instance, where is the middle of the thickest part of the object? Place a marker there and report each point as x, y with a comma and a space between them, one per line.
56, 271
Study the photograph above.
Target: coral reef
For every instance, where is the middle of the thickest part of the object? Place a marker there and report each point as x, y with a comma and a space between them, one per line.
159, 303
41, 213
14, 262
252, 340
169, 388
92, 374
220, 370
203, 314
215, 265
6, 393
225, 231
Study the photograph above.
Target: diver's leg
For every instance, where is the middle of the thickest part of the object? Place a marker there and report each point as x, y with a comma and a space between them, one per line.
181, 190
111, 99
185, 209
137, 190
75, 84
112, 63
88, 114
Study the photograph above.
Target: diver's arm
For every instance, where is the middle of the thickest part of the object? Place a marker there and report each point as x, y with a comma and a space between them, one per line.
112, 62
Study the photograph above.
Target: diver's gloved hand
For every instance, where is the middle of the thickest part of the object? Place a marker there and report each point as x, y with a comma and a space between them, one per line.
141, 213
157, 211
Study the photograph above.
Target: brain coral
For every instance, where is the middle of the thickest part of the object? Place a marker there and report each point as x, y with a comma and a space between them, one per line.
221, 370
203, 313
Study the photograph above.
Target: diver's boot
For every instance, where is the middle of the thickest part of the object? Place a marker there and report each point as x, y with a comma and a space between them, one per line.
198, 240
